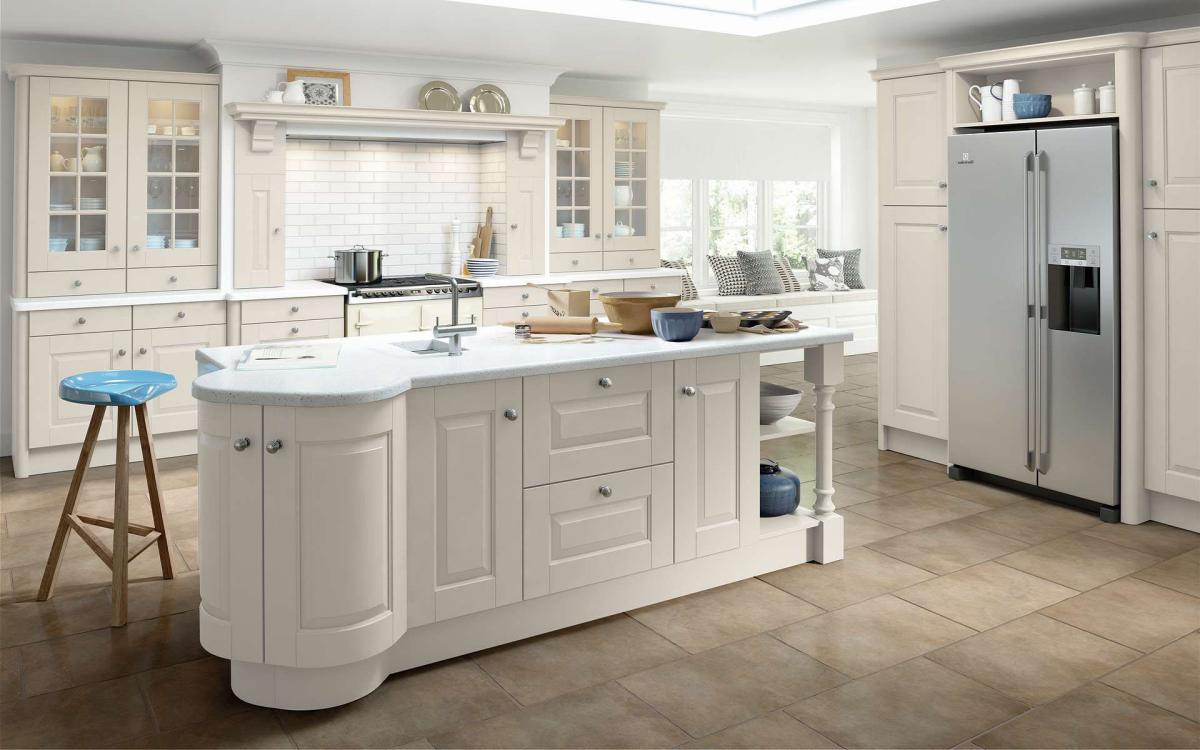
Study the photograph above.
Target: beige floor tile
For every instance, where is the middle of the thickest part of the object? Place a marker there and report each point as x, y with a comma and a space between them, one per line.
984, 494
65, 614
1181, 573
872, 635
856, 433
1034, 521
87, 571
539, 668
1155, 538
254, 728
1138, 614
194, 691
105, 654
894, 479
844, 495
1169, 677
1095, 716
917, 704
421, 744
775, 730
725, 614
1034, 659
861, 575
34, 549
844, 415
601, 716
860, 530
870, 391
103, 714
985, 595
159, 598
189, 550
918, 509
10, 674
932, 466
868, 455
407, 706
947, 547
711, 691
1079, 561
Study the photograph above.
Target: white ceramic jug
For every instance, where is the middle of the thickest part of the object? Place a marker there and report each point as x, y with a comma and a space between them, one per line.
93, 159
293, 92
1011, 86
988, 99
274, 96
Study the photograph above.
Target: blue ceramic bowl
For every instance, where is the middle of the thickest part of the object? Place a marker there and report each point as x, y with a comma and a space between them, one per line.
1026, 106
676, 323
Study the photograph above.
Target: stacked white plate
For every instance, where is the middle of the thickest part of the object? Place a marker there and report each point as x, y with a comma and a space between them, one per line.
481, 267
624, 168
91, 243
91, 204
156, 241
573, 231
59, 244
61, 207
185, 242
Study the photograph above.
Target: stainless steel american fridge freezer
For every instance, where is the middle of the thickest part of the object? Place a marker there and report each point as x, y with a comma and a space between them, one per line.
1034, 346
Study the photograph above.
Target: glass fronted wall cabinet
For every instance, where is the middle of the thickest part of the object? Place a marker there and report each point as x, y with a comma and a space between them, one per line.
120, 181
605, 185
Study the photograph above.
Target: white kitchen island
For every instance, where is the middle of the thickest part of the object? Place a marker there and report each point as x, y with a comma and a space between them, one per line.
405, 508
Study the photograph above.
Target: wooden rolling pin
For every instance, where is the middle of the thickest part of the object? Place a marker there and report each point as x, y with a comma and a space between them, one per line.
576, 324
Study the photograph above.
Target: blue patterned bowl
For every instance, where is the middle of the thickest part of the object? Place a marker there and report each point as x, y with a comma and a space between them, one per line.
1026, 106
676, 323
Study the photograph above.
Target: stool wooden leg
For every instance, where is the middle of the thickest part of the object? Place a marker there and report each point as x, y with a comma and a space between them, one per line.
120, 546
150, 462
64, 526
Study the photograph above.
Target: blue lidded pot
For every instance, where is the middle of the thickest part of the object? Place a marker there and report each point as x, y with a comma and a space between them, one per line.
778, 489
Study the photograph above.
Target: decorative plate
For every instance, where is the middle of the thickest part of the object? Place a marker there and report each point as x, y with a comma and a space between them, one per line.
324, 93
439, 96
488, 98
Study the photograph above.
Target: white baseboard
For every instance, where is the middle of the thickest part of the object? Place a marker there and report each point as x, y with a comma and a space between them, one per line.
64, 457
1175, 511
912, 444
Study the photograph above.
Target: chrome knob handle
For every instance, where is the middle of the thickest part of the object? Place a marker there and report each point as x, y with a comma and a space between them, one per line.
595, 290
575, 261
1151, 183
295, 329
942, 227
1152, 235
524, 295
274, 446
121, 352
689, 390
276, 230
142, 350
609, 235
77, 283
524, 313
941, 185
181, 315
82, 320
512, 226
295, 309
135, 248
605, 490
173, 278
596, 235
605, 382
116, 248
241, 444
511, 415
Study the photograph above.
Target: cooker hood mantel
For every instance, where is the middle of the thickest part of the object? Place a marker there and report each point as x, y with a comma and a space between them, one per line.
371, 123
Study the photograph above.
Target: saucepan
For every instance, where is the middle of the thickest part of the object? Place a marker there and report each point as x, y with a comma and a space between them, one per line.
358, 265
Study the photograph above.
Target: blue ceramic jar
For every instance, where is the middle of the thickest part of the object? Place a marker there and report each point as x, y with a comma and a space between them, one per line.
778, 489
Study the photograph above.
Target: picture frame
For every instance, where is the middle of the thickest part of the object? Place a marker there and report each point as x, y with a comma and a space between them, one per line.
323, 87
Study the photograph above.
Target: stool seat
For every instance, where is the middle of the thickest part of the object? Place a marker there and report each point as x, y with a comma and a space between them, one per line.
115, 387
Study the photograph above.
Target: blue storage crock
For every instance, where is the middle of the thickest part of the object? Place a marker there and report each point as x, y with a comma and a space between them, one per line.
778, 489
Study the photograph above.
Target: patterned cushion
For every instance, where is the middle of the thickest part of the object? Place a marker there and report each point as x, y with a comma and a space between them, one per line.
826, 275
730, 279
850, 266
787, 276
760, 273
689, 286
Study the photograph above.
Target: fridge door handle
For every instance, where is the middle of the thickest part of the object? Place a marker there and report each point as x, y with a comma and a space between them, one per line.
1043, 322
1030, 315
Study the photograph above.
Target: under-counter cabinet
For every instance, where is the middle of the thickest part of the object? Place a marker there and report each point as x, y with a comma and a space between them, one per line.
1171, 140
912, 140
53, 421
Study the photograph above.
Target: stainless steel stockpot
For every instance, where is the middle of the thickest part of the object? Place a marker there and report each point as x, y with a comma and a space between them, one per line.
358, 265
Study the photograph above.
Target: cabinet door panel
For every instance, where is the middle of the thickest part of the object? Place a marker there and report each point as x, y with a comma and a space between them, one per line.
173, 350
53, 421
465, 502
1173, 353
525, 234
597, 529
631, 180
913, 330
1171, 141
912, 141
579, 194
258, 242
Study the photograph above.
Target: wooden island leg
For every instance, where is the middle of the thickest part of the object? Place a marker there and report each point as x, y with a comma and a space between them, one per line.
823, 368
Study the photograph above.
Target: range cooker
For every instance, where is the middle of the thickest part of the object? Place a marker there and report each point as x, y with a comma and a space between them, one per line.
399, 304
407, 288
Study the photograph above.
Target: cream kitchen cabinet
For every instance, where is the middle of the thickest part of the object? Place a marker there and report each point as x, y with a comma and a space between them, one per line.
912, 140
53, 421
716, 454
464, 499
1172, 277
258, 226
268, 333
1171, 135
913, 323
173, 350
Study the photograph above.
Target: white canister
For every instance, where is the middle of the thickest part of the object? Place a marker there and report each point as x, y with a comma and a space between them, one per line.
1108, 98
1010, 87
1085, 100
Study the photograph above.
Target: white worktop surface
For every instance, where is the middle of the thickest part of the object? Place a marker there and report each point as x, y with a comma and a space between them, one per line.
372, 368
570, 277
291, 289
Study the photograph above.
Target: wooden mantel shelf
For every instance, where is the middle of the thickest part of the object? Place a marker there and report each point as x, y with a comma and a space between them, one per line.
377, 122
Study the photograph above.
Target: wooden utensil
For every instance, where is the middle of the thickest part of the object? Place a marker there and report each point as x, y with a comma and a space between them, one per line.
485, 235
574, 324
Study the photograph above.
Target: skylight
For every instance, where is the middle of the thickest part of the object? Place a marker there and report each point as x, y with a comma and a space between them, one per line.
741, 17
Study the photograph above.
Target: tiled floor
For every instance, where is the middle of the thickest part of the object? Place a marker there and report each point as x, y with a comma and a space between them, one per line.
963, 615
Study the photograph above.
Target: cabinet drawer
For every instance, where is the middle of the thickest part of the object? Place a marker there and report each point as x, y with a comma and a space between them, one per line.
597, 287
664, 284
172, 278
597, 529
495, 316
563, 262
179, 314
71, 283
291, 308
262, 333
80, 320
597, 421
513, 296
617, 261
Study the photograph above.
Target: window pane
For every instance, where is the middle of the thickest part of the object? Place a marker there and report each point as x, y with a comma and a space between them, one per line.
677, 245
729, 241
795, 213
676, 201
732, 215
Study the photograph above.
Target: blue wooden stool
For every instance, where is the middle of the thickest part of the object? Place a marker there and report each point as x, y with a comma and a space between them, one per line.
121, 389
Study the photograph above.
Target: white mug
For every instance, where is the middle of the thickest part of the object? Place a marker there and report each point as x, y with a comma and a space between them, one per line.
988, 99
1011, 86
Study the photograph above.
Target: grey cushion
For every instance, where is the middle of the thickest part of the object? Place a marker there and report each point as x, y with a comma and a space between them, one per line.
826, 275
851, 265
689, 286
730, 279
760, 272
787, 276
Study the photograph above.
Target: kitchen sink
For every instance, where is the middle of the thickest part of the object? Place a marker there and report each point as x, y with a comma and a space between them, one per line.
433, 346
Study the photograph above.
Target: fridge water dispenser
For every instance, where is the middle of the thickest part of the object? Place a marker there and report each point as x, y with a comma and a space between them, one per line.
1074, 288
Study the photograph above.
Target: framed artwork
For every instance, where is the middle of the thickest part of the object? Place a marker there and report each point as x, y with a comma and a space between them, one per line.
326, 87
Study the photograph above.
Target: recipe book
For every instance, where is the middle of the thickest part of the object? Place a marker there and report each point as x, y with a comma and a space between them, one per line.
291, 357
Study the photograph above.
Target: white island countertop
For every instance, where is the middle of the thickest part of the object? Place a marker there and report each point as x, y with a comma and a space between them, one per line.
373, 368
